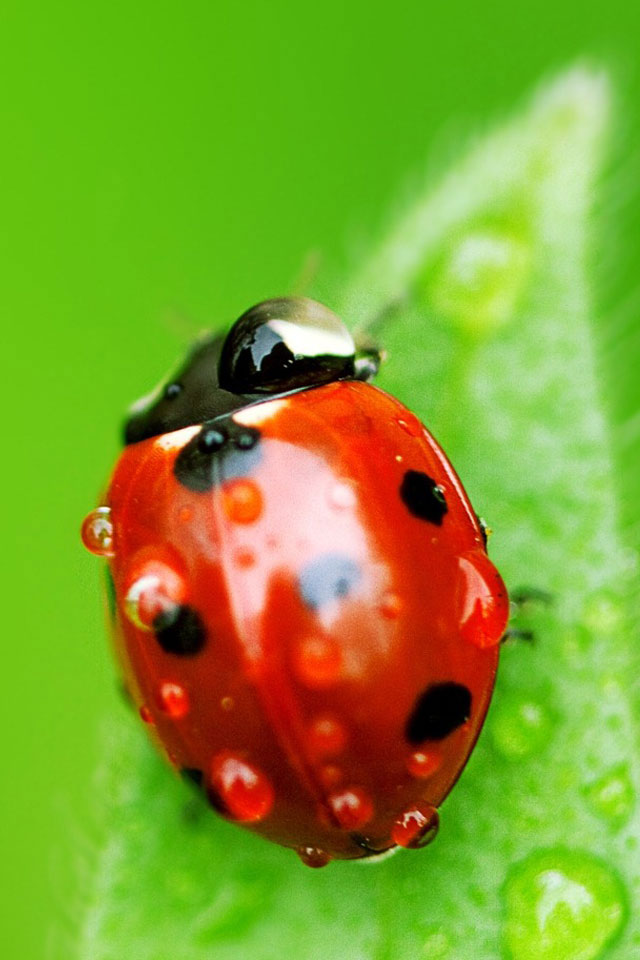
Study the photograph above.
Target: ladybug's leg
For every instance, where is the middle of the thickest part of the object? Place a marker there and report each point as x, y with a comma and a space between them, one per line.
514, 634
367, 360
369, 356
523, 600
525, 595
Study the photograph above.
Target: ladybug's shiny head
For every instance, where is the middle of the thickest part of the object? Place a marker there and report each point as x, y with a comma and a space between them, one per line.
276, 347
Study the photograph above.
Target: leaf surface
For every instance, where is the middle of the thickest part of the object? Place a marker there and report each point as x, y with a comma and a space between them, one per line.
485, 298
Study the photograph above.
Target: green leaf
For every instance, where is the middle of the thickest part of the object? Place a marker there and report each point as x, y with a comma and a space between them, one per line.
485, 293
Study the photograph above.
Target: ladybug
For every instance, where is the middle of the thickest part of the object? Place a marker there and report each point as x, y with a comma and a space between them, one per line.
304, 611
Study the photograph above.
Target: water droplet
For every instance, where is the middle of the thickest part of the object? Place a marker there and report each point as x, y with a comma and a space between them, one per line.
173, 700
317, 662
520, 727
155, 589
562, 903
243, 789
242, 500
612, 796
484, 606
424, 763
416, 828
342, 496
391, 605
352, 808
479, 280
576, 640
326, 736
97, 532
145, 715
313, 857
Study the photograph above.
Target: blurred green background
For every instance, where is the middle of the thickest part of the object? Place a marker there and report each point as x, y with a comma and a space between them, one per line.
163, 167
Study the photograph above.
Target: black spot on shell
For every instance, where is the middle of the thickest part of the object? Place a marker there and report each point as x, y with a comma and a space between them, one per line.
438, 711
331, 576
180, 631
222, 450
423, 497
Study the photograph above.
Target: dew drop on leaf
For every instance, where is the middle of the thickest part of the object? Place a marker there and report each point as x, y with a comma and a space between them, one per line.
479, 280
603, 616
611, 797
437, 946
520, 727
562, 903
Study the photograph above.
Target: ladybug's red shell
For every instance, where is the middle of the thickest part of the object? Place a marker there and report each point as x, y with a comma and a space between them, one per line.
306, 615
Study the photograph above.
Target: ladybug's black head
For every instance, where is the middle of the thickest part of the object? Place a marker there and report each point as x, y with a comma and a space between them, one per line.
280, 345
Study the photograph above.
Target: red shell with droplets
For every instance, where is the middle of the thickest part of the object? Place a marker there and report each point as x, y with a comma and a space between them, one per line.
322, 650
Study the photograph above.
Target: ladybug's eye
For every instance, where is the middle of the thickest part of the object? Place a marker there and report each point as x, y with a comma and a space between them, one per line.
283, 344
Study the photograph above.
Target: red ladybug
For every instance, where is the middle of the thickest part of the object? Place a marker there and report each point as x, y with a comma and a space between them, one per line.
305, 613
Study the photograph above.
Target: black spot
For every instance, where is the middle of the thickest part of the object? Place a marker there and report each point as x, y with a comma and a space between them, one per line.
331, 576
222, 450
111, 593
180, 631
423, 497
438, 711
193, 775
